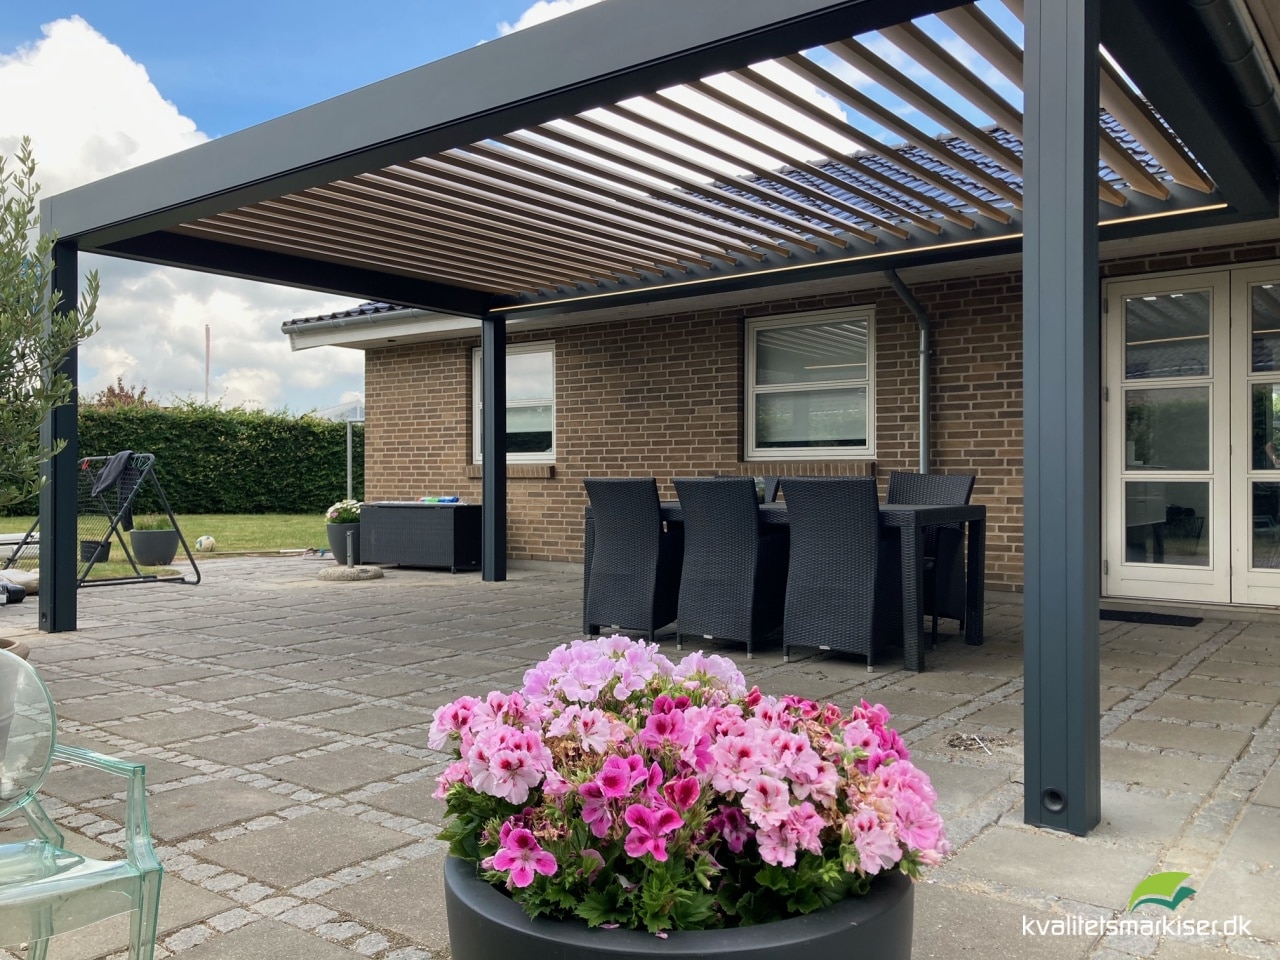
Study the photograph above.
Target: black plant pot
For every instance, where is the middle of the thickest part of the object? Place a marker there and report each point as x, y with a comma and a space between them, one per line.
485, 924
154, 548
338, 541
95, 551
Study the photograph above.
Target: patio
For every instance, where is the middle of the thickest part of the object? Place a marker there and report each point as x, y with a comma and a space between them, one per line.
283, 723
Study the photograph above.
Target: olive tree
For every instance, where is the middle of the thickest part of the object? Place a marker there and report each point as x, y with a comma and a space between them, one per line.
36, 330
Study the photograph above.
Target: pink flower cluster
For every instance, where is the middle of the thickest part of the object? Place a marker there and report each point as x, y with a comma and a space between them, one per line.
612, 760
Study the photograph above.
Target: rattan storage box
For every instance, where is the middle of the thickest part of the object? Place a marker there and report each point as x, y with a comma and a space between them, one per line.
416, 534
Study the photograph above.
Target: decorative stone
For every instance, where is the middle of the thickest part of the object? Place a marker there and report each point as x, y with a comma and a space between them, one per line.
351, 573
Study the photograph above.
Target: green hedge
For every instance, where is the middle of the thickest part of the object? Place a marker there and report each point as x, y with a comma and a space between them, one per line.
232, 461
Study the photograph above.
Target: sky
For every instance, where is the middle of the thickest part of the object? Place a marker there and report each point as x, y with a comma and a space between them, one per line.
104, 85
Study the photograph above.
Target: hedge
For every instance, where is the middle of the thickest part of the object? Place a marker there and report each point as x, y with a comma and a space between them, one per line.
232, 461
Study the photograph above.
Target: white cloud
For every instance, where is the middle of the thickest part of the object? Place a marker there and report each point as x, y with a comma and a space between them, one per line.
91, 112
541, 12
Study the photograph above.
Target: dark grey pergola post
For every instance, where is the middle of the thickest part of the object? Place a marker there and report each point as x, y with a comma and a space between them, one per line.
1061, 387
493, 349
57, 597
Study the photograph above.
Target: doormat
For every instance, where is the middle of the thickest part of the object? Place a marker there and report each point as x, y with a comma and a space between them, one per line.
1144, 616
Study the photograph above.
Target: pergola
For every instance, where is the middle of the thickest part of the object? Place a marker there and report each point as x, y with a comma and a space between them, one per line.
645, 152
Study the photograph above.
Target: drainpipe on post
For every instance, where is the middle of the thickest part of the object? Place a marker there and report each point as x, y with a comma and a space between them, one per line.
922, 318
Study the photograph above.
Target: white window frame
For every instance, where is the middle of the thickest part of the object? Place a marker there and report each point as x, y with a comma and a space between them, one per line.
477, 394
753, 389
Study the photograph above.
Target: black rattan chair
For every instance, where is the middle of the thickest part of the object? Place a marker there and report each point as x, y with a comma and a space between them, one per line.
735, 570
944, 583
634, 574
771, 488
840, 583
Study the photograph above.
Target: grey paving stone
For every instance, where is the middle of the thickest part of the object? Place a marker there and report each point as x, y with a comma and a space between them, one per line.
1006, 715
1034, 863
1269, 793
959, 785
1159, 771
322, 671
161, 677
226, 688
175, 727
293, 703
1217, 743
254, 745
952, 922
1256, 839
203, 807
365, 720
67, 688
411, 800
315, 845
392, 900
1129, 817
1232, 670
77, 784
341, 770
1237, 888
384, 684
1235, 712
268, 938
1196, 686
112, 707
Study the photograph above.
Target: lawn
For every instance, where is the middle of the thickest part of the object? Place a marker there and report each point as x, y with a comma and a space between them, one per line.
234, 533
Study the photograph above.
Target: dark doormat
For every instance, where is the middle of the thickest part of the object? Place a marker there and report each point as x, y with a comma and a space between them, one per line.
1144, 616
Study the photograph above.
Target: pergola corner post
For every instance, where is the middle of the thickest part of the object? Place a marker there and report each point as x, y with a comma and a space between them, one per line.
493, 350
58, 549
1061, 423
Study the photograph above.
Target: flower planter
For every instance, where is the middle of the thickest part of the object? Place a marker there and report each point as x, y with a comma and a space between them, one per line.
485, 924
338, 541
154, 548
95, 551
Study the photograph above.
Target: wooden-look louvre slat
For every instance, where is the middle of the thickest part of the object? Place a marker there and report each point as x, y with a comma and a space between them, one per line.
1133, 113
428, 253
846, 129
488, 183
401, 228
752, 210
523, 146
922, 48
977, 30
774, 125
412, 200
471, 280
654, 125
863, 59
833, 85
784, 158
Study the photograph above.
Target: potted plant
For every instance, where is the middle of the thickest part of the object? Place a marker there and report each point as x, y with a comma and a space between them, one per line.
340, 519
154, 540
618, 795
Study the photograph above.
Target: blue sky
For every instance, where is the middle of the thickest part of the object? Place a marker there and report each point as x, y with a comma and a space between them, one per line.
104, 85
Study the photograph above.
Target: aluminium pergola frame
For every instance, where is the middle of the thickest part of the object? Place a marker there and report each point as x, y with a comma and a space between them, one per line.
421, 155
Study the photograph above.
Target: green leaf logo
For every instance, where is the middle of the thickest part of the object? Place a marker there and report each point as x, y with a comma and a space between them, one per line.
1166, 889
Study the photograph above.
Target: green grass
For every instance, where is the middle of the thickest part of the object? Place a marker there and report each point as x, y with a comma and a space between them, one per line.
234, 533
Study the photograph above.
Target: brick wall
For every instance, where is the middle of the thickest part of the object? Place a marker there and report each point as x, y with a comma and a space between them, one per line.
663, 397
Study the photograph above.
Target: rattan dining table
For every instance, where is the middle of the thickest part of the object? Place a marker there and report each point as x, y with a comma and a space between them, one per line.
911, 520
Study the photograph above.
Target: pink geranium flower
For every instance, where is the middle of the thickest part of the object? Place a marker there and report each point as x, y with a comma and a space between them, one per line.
522, 856
649, 828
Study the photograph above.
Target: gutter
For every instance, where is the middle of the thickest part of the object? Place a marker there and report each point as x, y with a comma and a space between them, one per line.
922, 318
1235, 38
359, 320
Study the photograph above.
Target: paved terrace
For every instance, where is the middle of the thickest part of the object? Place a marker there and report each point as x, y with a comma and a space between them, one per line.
283, 723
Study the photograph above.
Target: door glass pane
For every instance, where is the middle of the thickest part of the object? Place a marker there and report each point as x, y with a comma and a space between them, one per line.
1167, 428
1167, 523
1266, 526
1264, 319
812, 418
812, 353
1167, 335
1265, 425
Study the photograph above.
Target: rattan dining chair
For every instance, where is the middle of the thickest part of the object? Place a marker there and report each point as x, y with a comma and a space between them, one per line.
735, 569
46, 889
837, 580
944, 575
634, 577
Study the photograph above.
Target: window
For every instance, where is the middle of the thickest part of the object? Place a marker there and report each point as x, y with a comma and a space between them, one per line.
809, 385
531, 405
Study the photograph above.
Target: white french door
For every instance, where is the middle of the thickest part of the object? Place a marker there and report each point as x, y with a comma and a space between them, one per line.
1192, 373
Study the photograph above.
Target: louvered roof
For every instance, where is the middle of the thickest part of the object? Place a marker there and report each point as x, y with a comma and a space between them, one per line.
835, 136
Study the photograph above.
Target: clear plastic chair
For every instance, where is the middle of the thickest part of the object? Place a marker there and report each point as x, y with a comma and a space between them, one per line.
46, 889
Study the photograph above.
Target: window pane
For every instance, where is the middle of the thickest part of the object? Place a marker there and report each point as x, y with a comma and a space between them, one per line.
1167, 523
530, 376
1266, 526
1167, 335
1264, 303
1265, 417
1167, 429
812, 418
812, 353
